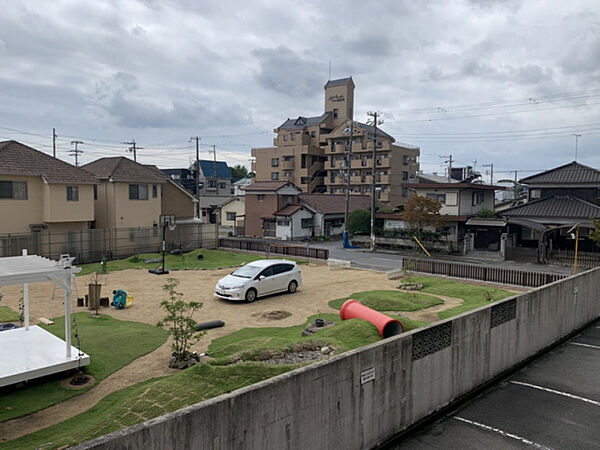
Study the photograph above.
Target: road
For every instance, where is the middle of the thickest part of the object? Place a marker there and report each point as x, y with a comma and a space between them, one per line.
553, 403
388, 260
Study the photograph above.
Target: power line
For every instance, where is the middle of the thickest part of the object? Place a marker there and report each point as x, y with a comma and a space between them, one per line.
76, 152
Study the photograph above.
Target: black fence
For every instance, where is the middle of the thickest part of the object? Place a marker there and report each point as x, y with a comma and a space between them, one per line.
588, 260
276, 248
492, 274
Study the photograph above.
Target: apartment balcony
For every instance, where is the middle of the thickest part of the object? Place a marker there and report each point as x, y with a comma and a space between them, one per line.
361, 163
383, 163
287, 165
356, 179
383, 146
335, 150
384, 197
383, 179
337, 181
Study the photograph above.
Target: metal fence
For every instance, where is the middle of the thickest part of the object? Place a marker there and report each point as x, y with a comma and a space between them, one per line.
493, 274
567, 258
93, 245
259, 245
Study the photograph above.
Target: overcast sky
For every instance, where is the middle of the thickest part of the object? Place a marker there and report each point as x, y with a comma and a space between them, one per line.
502, 82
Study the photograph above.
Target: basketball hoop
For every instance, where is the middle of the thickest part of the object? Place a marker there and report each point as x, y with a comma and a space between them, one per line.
172, 226
167, 220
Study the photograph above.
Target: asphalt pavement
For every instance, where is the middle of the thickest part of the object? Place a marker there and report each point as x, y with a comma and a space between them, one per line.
552, 403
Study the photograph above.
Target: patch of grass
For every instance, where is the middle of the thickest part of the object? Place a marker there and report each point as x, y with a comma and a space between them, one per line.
473, 296
390, 300
111, 344
7, 314
212, 259
148, 399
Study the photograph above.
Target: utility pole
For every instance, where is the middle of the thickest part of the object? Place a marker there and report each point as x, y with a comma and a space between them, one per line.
516, 184
214, 151
449, 162
374, 122
196, 165
133, 148
577, 136
491, 166
54, 142
76, 152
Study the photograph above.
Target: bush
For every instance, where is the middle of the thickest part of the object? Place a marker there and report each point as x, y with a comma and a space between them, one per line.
485, 213
359, 221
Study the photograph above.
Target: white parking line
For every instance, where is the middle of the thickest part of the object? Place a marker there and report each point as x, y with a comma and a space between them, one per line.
503, 433
565, 394
386, 259
585, 345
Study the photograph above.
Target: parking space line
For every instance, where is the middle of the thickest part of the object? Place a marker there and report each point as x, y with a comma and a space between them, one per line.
386, 259
503, 433
564, 394
585, 345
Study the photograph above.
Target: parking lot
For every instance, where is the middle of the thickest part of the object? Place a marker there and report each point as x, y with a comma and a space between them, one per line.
553, 403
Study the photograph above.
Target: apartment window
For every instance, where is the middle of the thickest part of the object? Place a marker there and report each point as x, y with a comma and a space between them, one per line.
16, 190
154, 191
274, 162
293, 136
535, 193
231, 216
138, 192
221, 185
288, 174
285, 137
95, 192
261, 197
313, 134
175, 177
404, 175
212, 184
72, 193
405, 159
288, 158
274, 176
404, 192
307, 223
287, 199
335, 113
477, 198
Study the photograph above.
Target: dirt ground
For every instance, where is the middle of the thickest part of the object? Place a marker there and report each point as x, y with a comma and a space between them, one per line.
319, 286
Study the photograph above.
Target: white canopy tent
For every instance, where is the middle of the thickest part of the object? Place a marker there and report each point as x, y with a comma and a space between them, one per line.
31, 352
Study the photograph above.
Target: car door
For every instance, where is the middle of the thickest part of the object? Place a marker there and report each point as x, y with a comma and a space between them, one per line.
267, 284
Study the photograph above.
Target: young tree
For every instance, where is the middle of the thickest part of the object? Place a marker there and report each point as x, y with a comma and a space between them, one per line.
178, 321
595, 233
238, 172
422, 211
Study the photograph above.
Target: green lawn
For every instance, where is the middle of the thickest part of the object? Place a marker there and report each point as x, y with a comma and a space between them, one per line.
7, 314
212, 259
111, 344
390, 300
473, 296
148, 399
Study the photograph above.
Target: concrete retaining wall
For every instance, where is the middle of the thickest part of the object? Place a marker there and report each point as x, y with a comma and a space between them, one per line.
358, 399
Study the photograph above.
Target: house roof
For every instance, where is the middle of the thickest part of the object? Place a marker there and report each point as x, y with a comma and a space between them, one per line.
434, 178
301, 122
339, 82
572, 173
399, 216
20, 159
123, 169
560, 206
168, 179
475, 186
268, 185
371, 129
288, 210
334, 204
208, 169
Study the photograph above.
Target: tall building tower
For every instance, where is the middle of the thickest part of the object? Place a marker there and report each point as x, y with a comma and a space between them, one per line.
339, 100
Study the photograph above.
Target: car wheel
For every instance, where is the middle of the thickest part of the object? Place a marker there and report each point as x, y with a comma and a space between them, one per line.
250, 295
292, 287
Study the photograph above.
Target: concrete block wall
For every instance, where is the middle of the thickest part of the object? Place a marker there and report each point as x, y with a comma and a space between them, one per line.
326, 405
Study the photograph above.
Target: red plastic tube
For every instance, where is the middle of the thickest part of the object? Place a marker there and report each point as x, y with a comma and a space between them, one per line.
387, 327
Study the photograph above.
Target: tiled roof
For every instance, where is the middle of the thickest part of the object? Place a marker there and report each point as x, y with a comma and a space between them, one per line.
399, 216
338, 82
572, 173
268, 185
557, 207
371, 129
123, 169
208, 169
288, 210
300, 122
334, 204
447, 185
19, 159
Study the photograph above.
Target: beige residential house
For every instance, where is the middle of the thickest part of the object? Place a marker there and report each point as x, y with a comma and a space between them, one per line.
128, 194
174, 198
233, 213
311, 152
39, 192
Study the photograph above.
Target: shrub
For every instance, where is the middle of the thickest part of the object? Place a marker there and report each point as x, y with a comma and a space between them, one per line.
359, 221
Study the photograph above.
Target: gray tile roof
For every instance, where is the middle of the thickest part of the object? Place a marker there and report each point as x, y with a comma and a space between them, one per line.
572, 173
123, 169
301, 122
338, 82
20, 159
333, 203
565, 207
371, 129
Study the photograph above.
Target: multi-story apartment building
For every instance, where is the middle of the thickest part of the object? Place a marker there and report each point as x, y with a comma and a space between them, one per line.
311, 152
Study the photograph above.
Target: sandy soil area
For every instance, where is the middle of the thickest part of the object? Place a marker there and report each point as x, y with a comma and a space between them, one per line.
320, 285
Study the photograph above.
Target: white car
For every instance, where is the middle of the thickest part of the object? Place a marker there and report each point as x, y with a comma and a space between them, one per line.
258, 278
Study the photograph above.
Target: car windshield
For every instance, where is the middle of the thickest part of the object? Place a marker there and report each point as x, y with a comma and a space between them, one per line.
247, 271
